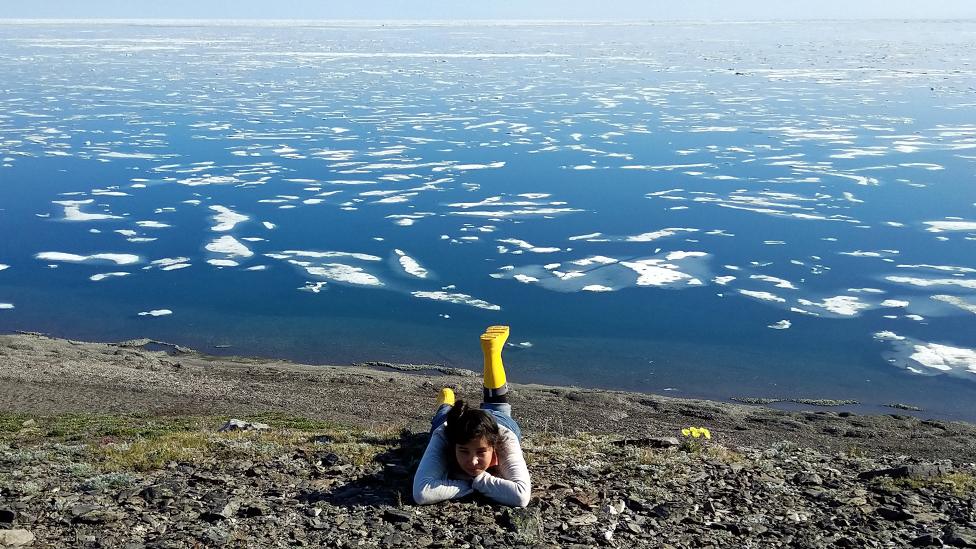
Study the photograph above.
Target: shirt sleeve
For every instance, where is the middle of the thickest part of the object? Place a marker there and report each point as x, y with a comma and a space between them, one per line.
431, 483
512, 486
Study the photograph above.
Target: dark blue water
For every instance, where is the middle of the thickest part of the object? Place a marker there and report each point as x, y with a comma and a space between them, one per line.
828, 168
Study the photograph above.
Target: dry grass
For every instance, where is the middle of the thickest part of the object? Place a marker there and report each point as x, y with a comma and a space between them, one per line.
146, 454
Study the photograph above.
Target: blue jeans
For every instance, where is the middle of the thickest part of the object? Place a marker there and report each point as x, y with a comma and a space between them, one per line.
502, 412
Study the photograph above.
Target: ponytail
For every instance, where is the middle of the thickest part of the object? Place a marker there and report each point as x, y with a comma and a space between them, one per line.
465, 424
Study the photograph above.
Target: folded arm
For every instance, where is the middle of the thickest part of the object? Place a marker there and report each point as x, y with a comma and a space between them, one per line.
515, 488
431, 483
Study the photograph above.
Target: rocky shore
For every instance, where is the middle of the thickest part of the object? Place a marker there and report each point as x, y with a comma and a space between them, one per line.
120, 445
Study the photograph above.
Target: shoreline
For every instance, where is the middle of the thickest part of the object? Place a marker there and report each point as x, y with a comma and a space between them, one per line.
842, 400
45, 375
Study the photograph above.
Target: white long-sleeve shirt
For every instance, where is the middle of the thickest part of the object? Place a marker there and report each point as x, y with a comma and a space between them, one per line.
511, 485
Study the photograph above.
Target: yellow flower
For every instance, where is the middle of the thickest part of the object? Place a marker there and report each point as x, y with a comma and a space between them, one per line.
697, 432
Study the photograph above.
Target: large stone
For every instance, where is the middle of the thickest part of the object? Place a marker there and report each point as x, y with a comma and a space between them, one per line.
892, 513
15, 538
93, 514
241, 425
957, 537
922, 470
526, 522
221, 508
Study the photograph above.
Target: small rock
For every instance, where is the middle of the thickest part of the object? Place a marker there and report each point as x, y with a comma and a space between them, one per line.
583, 520
16, 538
927, 540
396, 515
649, 442
254, 509
808, 478
891, 513
241, 425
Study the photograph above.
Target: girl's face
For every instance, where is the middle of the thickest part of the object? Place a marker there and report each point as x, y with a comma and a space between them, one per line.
475, 456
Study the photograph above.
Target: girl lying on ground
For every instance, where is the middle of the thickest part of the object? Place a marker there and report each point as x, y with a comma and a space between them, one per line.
476, 450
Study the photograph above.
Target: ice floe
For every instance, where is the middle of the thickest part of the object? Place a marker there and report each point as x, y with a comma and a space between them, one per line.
528, 247
762, 296
103, 276
956, 301
927, 358
928, 282
156, 312
841, 305
72, 211
229, 246
6, 306
457, 298
226, 219
410, 265
942, 226
781, 325
118, 259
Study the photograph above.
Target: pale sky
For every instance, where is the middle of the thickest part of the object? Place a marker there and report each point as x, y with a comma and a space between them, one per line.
492, 9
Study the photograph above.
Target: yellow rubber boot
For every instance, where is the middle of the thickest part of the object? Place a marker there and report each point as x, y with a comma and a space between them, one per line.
446, 397
492, 344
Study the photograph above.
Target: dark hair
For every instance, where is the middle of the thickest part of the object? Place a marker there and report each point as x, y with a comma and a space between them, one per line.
465, 424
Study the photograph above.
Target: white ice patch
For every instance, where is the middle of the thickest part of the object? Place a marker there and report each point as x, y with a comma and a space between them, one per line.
103, 276
778, 282
229, 246
223, 262
927, 282
320, 255
843, 305
226, 219
457, 298
525, 279
72, 211
723, 280
156, 312
941, 226
118, 259
781, 325
6, 306
410, 265
314, 287
683, 270
956, 301
926, 358
152, 224
4, 267
896, 303
762, 296
528, 247
339, 272
861, 253
654, 235
596, 288
656, 272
